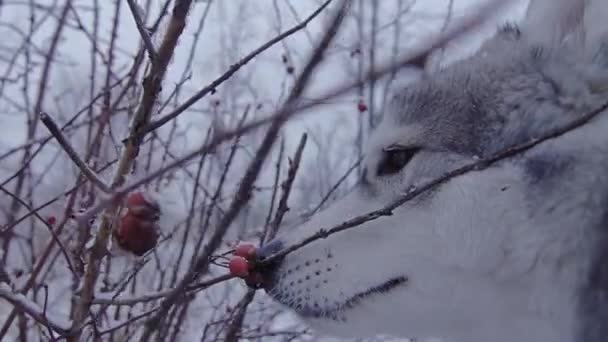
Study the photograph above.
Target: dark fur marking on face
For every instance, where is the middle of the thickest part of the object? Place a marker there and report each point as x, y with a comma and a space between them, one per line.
353, 301
545, 167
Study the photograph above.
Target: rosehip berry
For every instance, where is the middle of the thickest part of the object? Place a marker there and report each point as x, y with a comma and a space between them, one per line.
361, 106
136, 235
246, 251
136, 198
239, 267
51, 220
143, 206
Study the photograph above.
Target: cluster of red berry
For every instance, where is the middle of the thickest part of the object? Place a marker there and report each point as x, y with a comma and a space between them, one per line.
241, 265
138, 230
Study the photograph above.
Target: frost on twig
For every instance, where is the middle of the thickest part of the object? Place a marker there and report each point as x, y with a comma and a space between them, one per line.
21, 303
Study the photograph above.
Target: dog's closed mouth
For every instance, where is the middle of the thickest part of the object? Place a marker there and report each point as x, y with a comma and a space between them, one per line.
334, 311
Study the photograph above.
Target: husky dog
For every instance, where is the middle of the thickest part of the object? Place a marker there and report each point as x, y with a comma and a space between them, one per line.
517, 251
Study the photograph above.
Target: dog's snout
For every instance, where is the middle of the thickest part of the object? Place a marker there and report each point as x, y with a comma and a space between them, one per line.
264, 273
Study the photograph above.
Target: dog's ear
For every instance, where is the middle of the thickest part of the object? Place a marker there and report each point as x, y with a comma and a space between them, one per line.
551, 22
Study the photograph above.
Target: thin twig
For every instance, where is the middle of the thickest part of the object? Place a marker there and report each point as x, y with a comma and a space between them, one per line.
282, 209
232, 332
157, 295
31, 309
142, 30
128, 322
35, 210
44, 309
50, 124
54, 235
233, 69
333, 189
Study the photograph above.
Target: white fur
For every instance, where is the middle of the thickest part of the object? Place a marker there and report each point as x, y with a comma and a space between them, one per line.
477, 271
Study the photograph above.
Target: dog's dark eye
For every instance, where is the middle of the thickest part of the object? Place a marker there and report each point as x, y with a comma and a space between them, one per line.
395, 159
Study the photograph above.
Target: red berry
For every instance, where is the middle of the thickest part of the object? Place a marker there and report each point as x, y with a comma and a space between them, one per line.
141, 205
239, 267
51, 220
361, 106
136, 235
246, 251
136, 198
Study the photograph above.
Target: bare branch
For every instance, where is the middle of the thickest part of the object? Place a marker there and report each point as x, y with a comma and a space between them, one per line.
128, 322
158, 295
50, 124
333, 188
232, 333
142, 30
54, 234
233, 69
282, 209
33, 310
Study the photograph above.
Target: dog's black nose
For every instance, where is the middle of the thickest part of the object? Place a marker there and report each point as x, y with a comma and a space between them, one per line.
264, 273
